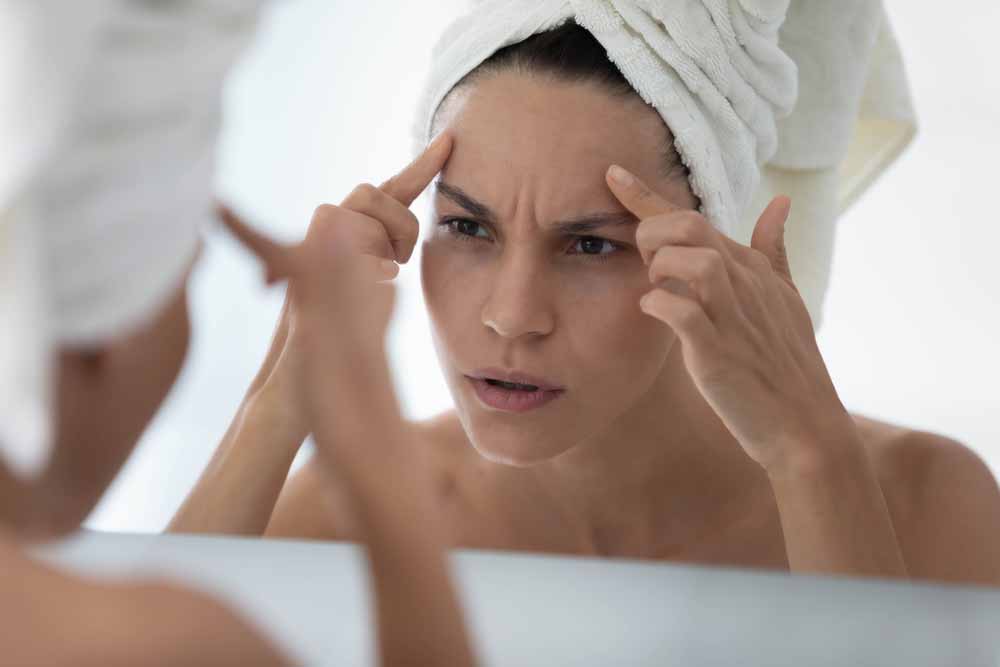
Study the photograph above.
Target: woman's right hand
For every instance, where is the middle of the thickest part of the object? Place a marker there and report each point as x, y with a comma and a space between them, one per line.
376, 223
242, 483
338, 320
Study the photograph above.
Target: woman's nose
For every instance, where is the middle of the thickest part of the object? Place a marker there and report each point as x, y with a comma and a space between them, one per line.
517, 305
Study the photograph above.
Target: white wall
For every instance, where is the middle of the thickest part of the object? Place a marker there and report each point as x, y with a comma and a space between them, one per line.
325, 101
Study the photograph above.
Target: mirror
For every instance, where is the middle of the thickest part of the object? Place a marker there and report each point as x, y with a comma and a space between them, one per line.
908, 281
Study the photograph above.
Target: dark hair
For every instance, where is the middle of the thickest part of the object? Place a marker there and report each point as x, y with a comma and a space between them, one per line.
569, 53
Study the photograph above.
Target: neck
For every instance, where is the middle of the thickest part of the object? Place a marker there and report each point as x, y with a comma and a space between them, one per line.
662, 474
13, 514
36, 509
21, 507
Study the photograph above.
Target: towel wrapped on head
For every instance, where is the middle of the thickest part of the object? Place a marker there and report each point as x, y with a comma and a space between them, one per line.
763, 97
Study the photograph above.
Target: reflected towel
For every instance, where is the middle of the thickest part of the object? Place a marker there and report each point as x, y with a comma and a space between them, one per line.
110, 181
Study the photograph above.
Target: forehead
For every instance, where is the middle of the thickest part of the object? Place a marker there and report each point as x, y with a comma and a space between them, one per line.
532, 140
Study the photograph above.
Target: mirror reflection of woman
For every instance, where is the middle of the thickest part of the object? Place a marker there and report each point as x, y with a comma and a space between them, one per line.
101, 204
628, 380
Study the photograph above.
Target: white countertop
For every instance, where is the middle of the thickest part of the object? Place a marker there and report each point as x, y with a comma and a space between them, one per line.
530, 610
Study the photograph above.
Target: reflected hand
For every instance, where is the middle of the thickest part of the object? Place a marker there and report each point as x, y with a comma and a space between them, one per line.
747, 339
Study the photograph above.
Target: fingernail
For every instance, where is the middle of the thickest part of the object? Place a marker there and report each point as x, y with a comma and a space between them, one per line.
644, 301
438, 139
620, 176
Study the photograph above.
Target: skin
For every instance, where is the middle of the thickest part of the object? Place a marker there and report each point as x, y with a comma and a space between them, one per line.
105, 396
108, 395
342, 268
700, 426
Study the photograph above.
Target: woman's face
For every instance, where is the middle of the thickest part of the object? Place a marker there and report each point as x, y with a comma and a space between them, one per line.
531, 264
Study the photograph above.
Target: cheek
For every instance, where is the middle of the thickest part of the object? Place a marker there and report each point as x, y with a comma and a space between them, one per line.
448, 281
622, 348
433, 278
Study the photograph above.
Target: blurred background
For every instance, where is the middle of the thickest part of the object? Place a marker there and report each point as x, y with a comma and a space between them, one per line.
325, 100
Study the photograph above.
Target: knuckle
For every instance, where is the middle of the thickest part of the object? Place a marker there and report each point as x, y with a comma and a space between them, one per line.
325, 211
646, 232
654, 302
653, 233
697, 218
411, 230
690, 226
658, 265
364, 194
642, 231
410, 236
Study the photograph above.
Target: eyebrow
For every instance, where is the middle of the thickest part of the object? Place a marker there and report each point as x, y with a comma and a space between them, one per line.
458, 196
575, 226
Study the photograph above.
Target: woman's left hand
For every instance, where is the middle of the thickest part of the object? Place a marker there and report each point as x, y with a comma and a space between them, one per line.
747, 339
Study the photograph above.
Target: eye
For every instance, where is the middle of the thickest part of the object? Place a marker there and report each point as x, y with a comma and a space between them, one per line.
465, 228
594, 246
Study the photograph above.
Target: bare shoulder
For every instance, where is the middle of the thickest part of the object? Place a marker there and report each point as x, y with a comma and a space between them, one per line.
943, 499
453, 462
446, 442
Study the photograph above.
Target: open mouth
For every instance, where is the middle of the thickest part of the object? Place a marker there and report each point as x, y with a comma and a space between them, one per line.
511, 386
516, 397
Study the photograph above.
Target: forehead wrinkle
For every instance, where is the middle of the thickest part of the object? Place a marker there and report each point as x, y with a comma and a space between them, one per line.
577, 226
509, 214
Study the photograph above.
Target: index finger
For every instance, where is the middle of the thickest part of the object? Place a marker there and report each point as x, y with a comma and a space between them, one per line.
407, 185
635, 195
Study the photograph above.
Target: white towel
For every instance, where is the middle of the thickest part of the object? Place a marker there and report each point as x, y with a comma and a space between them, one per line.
853, 119
803, 97
102, 202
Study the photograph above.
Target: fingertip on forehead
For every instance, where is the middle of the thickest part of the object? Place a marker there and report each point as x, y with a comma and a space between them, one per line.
620, 176
444, 138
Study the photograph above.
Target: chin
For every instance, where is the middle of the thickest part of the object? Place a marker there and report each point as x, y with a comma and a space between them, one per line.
513, 459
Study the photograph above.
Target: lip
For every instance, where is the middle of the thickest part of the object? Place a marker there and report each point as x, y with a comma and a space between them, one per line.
507, 400
514, 376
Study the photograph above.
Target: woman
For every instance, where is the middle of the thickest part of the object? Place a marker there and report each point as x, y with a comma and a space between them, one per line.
628, 379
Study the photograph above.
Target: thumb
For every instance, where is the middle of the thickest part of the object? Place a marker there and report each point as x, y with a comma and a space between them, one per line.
769, 236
